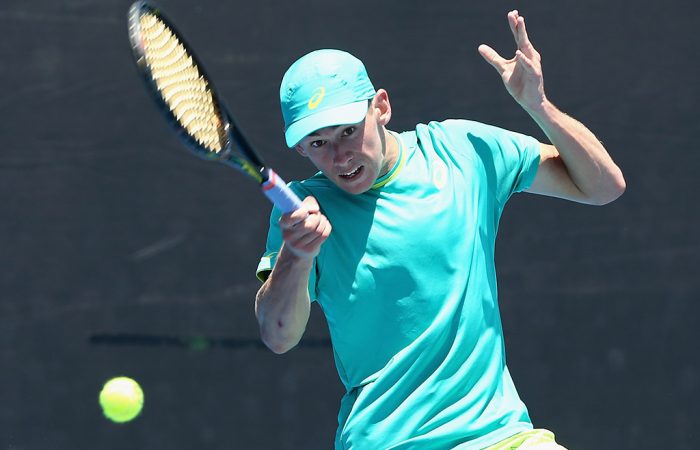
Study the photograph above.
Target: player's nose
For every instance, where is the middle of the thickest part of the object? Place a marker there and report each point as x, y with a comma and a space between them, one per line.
341, 154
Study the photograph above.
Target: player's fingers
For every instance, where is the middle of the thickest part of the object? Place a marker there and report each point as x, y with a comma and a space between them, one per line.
303, 232
310, 244
315, 228
528, 64
306, 240
308, 225
324, 228
492, 57
289, 221
523, 40
314, 245
513, 22
309, 206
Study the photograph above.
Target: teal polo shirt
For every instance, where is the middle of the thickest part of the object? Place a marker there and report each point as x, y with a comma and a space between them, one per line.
407, 284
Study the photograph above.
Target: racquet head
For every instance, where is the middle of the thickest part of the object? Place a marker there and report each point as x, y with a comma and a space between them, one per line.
185, 93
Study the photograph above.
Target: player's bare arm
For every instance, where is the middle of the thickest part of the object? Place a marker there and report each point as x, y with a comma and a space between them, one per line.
282, 304
576, 166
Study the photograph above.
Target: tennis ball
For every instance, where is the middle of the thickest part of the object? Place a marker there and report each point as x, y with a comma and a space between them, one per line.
121, 399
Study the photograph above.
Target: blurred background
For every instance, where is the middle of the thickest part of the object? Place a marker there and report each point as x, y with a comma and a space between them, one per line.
121, 254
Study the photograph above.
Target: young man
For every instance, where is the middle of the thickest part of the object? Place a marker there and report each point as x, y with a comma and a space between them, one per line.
395, 241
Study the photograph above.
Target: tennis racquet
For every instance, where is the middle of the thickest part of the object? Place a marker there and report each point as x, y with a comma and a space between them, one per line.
189, 102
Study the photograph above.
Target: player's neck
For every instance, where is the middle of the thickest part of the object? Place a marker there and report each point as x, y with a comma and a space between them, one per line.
391, 151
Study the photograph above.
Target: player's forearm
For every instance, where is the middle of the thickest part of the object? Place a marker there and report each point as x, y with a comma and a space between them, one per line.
589, 165
282, 304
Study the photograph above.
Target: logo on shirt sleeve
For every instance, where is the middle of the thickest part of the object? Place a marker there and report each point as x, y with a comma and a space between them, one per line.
439, 174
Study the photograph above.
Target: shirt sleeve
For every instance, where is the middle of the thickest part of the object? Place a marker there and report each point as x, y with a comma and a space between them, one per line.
519, 158
509, 159
272, 248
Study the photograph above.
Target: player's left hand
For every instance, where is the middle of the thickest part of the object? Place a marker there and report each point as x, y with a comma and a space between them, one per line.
522, 74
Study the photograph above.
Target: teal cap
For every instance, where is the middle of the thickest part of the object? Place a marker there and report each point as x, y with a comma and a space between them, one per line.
321, 89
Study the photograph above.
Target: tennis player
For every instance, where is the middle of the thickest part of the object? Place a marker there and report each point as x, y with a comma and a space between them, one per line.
395, 241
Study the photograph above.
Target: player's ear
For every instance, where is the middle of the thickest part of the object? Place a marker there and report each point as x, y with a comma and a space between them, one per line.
381, 104
300, 150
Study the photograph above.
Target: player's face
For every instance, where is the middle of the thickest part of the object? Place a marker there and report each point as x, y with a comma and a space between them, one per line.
354, 156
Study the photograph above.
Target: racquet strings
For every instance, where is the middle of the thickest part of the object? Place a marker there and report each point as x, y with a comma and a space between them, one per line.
183, 88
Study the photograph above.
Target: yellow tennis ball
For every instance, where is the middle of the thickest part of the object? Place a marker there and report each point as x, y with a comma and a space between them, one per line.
121, 399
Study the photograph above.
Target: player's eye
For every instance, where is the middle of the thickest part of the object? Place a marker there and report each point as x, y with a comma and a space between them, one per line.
316, 144
348, 131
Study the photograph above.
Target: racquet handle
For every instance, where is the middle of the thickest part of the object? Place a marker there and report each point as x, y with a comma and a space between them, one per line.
279, 193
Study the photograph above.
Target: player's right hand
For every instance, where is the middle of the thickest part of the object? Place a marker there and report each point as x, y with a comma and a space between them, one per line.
305, 229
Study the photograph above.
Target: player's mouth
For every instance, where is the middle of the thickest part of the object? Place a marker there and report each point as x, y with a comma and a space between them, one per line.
353, 174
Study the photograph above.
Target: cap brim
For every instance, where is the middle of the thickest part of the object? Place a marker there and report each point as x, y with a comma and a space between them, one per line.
341, 115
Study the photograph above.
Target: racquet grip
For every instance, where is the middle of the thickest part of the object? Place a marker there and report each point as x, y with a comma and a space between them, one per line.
279, 193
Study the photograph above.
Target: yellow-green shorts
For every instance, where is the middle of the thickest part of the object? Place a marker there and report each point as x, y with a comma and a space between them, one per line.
538, 439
